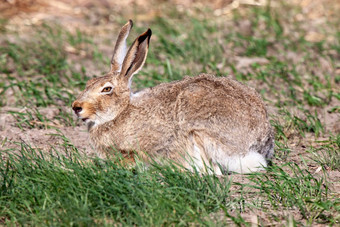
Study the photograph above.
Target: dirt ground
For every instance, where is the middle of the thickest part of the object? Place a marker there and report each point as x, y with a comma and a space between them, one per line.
99, 17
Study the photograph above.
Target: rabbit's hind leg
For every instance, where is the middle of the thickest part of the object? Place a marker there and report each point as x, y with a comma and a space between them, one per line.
197, 157
224, 158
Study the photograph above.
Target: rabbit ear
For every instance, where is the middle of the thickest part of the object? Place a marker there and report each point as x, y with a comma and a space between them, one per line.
136, 56
120, 48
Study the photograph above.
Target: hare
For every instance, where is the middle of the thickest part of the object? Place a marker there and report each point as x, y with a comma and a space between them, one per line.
197, 122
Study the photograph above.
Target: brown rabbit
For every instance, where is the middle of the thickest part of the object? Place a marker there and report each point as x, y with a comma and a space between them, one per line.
198, 121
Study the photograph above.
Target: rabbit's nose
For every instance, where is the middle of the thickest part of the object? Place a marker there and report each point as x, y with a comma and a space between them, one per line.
76, 106
77, 109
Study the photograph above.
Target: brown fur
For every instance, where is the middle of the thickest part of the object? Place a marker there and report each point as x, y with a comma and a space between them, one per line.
171, 120
160, 121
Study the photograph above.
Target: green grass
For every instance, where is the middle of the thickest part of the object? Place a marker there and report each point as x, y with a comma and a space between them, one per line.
42, 189
37, 70
29, 119
39, 189
327, 155
300, 189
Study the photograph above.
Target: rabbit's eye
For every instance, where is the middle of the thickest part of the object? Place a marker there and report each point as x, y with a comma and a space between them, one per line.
107, 89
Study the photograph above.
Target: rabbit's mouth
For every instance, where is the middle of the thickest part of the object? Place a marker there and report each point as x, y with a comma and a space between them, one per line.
88, 122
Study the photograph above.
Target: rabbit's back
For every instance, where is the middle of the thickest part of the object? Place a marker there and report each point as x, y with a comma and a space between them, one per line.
206, 102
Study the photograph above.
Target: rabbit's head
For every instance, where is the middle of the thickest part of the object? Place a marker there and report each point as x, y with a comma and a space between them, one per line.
104, 98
